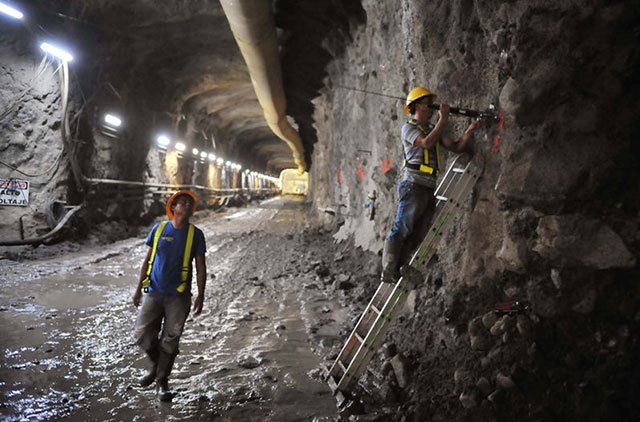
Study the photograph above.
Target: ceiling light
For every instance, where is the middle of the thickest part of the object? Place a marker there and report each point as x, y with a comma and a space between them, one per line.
203, 154
10, 11
220, 161
112, 120
195, 151
58, 52
238, 166
163, 140
228, 163
180, 146
212, 156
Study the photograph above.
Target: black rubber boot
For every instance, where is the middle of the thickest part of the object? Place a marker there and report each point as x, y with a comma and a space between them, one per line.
148, 378
390, 262
165, 364
411, 274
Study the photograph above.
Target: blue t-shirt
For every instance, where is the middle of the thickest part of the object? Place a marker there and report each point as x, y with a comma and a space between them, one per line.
166, 274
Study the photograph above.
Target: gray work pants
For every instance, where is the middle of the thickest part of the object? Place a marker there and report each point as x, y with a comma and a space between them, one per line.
155, 308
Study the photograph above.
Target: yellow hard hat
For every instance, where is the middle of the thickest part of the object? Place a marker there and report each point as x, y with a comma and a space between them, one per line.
177, 194
416, 94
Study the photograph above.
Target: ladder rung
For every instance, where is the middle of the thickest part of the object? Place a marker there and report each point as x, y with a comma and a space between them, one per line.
344, 368
332, 384
458, 170
375, 309
441, 198
359, 337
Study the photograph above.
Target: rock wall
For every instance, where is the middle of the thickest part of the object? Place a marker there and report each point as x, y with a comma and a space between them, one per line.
552, 223
31, 147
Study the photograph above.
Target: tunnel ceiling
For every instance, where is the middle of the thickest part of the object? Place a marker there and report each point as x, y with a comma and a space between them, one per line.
179, 62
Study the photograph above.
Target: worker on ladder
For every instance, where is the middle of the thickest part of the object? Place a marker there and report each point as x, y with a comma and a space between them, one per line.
421, 143
165, 278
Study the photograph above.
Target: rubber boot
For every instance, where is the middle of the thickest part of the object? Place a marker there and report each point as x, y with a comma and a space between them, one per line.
165, 364
390, 262
412, 275
148, 378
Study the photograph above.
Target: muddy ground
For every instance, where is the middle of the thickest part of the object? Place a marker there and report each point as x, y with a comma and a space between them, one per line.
280, 300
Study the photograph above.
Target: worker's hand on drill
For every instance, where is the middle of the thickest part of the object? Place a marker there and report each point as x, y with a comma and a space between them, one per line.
473, 126
444, 111
197, 305
137, 295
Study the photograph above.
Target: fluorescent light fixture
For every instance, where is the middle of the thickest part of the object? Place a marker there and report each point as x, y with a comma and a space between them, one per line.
212, 156
163, 140
112, 120
203, 154
58, 52
180, 146
220, 161
10, 11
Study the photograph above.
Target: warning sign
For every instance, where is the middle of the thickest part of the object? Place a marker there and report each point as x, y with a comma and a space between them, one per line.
14, 192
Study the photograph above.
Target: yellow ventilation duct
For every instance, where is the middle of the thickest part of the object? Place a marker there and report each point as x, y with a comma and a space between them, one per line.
253, 28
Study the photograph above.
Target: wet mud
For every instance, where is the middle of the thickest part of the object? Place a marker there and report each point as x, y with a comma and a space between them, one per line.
274, 316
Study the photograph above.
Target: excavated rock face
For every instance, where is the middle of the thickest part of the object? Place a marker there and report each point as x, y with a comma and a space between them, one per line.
553, 222
30, 121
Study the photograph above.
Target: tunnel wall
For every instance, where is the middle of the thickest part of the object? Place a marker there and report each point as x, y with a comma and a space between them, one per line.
553, 221
31, 139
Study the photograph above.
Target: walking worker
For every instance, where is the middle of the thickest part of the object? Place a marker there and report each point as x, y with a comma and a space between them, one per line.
421, 142
165, 278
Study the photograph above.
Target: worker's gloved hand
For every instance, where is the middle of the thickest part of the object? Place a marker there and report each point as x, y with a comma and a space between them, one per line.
411, 274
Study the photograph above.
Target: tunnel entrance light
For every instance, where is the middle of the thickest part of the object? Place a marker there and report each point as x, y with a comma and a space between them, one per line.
57, 52
163, 141
180, 146
111, 120
10, 11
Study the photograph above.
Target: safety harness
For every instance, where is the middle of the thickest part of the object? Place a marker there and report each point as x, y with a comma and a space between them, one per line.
185, 261
430, 155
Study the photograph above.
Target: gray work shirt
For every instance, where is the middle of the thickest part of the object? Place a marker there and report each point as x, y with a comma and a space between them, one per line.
415, 155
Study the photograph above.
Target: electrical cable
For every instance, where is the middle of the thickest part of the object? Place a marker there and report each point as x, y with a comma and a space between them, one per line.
55, 164
369, 92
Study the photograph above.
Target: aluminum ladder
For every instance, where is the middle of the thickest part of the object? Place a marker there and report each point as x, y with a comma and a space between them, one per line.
387, 302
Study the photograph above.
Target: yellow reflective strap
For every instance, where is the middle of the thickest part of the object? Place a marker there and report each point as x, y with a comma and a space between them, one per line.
187, 258
156, 238
426, 168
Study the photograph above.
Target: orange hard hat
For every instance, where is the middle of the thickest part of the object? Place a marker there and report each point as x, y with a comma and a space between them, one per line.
177, 194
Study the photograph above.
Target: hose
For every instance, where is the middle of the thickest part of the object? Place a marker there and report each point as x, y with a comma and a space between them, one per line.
42, 239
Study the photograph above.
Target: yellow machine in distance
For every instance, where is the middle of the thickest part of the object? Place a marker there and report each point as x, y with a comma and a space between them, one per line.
293, 183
